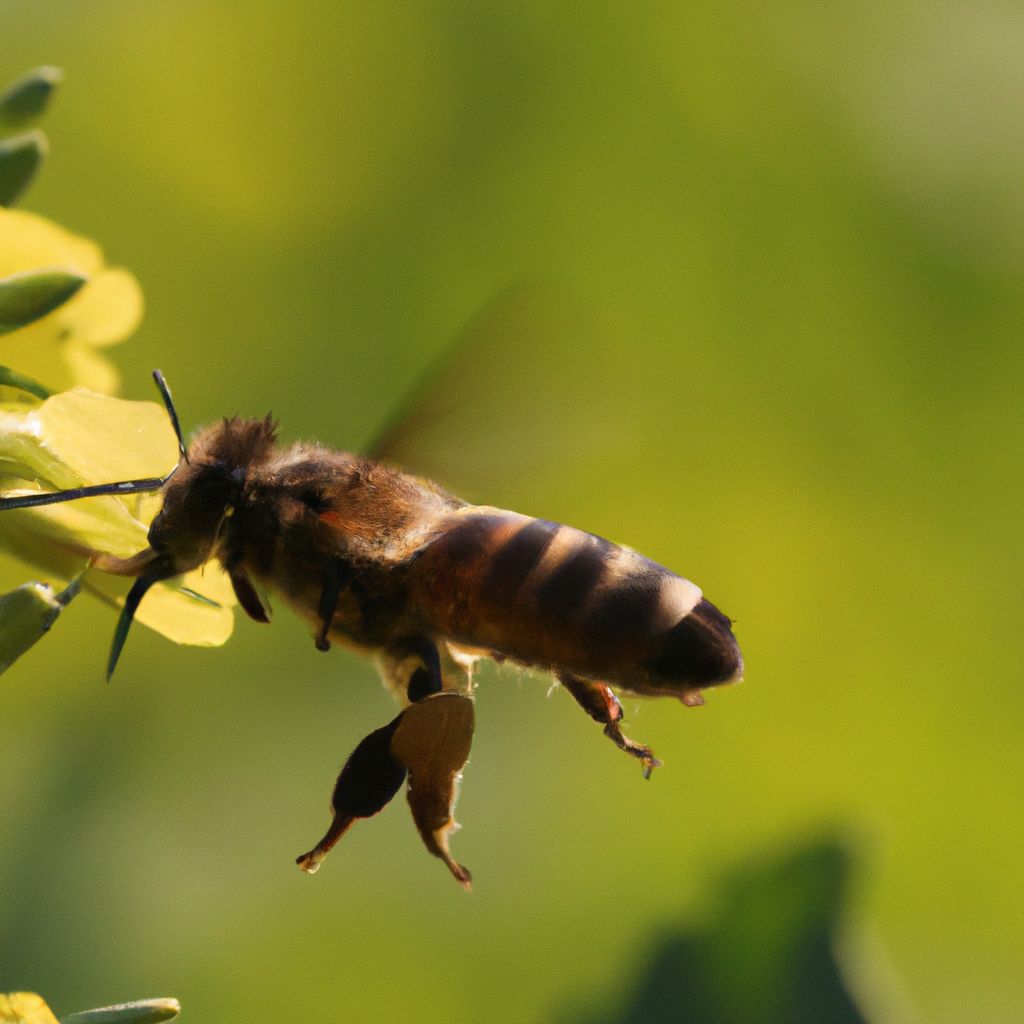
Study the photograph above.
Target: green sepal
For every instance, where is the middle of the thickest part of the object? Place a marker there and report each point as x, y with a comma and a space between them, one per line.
26, 98
20, 159
25, 298
143, 1011
26, 614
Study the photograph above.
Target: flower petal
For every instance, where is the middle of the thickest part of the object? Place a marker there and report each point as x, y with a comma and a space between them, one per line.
31, 242
57, 349
25, 1008
78, 438
107, 311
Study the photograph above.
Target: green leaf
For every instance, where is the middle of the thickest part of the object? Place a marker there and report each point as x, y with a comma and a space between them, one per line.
143, 1011
26, 98
26, 614
768, 956
25, 298
20, 158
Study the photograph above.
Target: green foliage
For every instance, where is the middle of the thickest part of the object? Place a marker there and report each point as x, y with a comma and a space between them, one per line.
21, 156
768, 956
25, 298
25, 99
20, 159
26, 615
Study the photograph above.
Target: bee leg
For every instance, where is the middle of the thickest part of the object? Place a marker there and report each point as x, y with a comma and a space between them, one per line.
425, 679
430, 741
339, 576
371, 777
603, 706
411, 668
433, 740
247, 596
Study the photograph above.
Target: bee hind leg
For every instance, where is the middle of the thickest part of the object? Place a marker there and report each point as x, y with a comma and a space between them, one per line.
603, 706
411, 668
371, 777
432, 741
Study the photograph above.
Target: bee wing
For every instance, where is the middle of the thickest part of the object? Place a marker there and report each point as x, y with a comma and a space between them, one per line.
499, 403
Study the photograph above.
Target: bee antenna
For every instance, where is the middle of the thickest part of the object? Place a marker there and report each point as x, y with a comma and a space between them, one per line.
131, 603
121, 487
165, 394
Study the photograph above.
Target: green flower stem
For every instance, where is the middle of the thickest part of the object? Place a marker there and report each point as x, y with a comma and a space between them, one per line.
12, 379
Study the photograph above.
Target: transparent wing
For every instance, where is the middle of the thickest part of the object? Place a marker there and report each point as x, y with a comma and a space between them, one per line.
506, 400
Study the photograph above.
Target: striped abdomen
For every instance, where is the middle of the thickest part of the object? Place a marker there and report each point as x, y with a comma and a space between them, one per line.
555, 597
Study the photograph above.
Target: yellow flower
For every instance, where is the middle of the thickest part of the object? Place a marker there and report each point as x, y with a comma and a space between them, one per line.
25, 1008
79, 438
61, 349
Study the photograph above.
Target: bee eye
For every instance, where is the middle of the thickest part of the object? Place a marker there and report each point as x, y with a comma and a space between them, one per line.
314, 499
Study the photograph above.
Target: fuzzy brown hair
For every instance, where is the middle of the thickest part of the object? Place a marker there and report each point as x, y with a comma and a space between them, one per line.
235, 442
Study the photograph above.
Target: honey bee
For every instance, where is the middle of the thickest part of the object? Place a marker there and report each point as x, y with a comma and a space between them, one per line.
393, 565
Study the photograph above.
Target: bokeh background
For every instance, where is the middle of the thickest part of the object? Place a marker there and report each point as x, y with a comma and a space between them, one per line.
743, 289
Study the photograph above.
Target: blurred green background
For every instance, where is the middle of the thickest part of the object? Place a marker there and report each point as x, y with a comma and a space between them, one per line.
746, 282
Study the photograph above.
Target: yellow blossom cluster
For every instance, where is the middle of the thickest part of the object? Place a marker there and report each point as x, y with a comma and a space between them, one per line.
83, 435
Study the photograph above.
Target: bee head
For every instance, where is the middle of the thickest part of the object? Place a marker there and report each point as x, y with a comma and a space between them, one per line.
207, 488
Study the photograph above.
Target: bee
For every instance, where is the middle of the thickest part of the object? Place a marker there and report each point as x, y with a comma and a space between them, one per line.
379, 560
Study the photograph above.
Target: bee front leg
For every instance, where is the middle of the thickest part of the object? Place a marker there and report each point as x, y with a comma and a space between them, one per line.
339, 576
603, 706
247, 597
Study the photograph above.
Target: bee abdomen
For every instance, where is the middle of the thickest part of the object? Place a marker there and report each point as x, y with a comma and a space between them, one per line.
558, 598
699, 648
